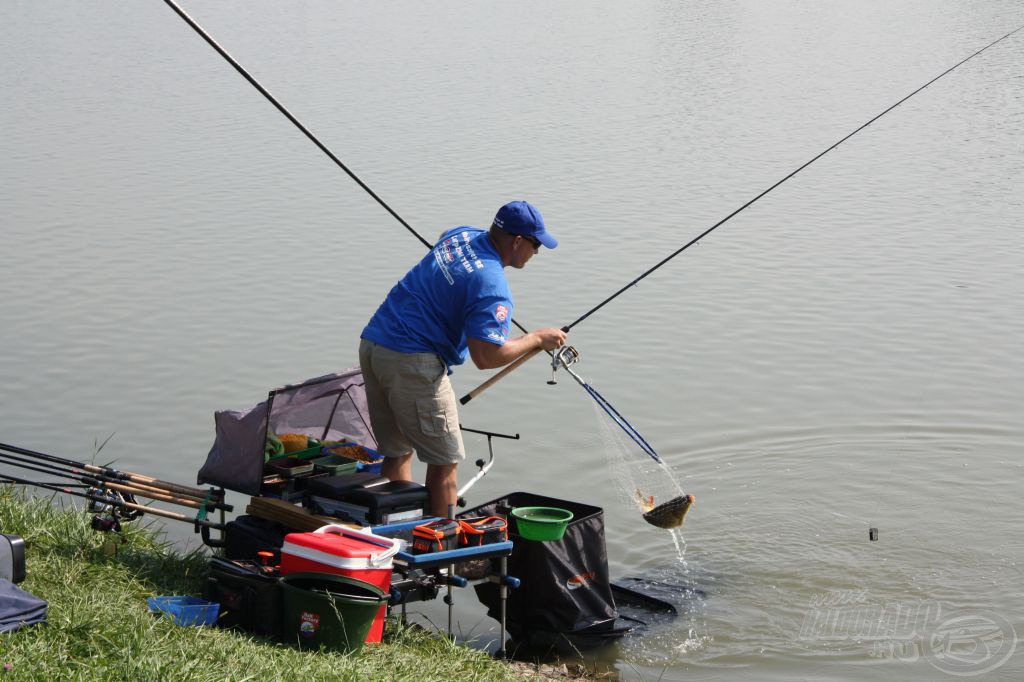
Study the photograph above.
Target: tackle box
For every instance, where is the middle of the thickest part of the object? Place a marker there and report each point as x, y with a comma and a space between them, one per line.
333, 487
249, 596
483, 531
322, 493
390, 502
246, 536
436, 536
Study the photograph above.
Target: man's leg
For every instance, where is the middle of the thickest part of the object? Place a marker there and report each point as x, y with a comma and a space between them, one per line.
378, 374
442, 484
397, 468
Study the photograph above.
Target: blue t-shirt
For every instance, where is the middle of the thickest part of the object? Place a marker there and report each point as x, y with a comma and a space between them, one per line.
457, 291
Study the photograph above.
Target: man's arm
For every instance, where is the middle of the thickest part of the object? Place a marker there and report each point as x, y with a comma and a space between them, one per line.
487, 355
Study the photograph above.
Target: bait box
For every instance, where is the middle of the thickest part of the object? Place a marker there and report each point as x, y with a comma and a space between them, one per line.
185, 610
335, 465
436, 536
365, 454
483, 531
291, 466
311, 452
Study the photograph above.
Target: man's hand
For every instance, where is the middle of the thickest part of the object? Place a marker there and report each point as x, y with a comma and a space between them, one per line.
550, 338
487, 355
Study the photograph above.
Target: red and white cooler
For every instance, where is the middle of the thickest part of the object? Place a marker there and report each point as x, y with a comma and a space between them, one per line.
343, 551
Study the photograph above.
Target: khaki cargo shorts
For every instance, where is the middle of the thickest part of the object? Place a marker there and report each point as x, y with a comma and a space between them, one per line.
412, 404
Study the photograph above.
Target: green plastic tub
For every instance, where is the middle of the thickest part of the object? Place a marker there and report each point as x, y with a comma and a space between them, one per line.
335, 465
541, 523
334, 611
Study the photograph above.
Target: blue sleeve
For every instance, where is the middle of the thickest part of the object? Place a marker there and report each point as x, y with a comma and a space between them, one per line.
489, 316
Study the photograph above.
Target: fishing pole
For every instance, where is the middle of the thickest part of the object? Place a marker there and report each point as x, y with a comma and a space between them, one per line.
67, 490
302, 128
729, 217
99, 480
779, 182
105, 483
149, 481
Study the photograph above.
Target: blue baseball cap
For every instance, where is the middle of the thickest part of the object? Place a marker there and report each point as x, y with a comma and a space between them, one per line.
523, 218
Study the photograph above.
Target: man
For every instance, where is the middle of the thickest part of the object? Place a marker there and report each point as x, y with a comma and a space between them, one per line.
453, 303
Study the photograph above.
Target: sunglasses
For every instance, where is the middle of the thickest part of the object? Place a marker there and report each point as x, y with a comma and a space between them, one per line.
532, 240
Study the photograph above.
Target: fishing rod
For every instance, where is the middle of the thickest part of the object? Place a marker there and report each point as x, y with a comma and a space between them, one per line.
490, 382
105, 500
100, 481
302, 128
149, 481
781, 181
117, 483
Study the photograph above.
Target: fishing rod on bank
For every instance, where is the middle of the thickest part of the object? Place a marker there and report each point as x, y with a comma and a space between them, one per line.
113, 494
112, 501
101, 481
126, 477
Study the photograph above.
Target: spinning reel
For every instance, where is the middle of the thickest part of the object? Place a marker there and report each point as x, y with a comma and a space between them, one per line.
109, 511
563, 357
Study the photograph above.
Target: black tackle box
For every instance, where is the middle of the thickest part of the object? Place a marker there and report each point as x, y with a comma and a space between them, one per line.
249, 599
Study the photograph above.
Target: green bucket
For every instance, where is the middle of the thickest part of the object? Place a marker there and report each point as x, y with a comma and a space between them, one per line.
334, 611
541, 523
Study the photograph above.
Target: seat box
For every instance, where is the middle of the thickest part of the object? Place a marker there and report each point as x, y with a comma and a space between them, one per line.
332, 487
391, 502
343, 551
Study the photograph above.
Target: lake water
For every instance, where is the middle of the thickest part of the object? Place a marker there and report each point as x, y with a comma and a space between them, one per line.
843, 355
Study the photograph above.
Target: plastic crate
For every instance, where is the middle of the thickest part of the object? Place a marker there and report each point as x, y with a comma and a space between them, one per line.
335, 465
186, 610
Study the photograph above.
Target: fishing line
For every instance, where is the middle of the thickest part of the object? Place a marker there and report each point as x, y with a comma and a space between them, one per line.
772, 187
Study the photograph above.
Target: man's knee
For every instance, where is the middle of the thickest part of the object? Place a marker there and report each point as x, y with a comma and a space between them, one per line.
442, 474
442, 480
397, 468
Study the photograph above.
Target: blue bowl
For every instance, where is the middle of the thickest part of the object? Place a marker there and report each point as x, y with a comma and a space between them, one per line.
186, 610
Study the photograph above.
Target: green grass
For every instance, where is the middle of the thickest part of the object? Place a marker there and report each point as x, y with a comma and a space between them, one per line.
98, 626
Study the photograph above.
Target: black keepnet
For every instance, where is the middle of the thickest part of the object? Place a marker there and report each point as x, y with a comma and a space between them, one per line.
566, 587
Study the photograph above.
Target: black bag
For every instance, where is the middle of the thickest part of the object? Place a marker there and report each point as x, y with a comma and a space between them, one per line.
249, 600
247, 535
566, 590
12, 558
